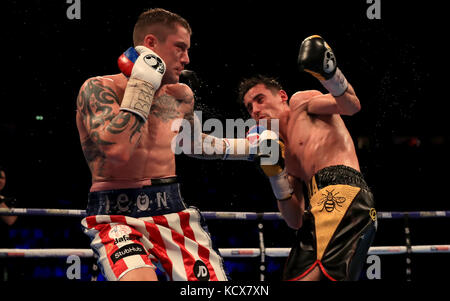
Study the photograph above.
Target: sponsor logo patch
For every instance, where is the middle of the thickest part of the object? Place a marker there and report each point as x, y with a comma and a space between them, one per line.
373, 214
128, 250
118, 231
201, 271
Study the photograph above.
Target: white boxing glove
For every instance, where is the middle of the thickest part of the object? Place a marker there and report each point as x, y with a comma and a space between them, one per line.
147, 70
148, 67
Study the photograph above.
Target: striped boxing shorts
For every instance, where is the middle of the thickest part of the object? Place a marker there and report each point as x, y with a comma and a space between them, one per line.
338, 227
151, 227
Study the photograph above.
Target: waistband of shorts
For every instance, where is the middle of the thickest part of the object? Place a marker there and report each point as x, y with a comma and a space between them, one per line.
335, 175
157, 199
163, 181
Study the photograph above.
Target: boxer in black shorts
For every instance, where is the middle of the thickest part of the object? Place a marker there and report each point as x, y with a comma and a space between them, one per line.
337, 229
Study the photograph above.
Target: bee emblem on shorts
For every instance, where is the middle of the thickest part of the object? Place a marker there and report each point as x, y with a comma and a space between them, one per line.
331, 201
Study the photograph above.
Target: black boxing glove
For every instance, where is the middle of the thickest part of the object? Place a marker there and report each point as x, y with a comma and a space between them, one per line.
191, 79
317, 58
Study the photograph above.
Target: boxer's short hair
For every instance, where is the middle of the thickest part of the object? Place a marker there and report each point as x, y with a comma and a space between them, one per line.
248, 83
159, 22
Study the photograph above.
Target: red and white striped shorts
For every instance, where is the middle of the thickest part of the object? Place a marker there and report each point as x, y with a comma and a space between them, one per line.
176, 242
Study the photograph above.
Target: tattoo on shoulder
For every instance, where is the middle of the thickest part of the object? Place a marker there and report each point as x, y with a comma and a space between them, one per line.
94, 103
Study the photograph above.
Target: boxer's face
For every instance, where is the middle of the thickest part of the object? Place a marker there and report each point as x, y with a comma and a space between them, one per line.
174, 52
264, 103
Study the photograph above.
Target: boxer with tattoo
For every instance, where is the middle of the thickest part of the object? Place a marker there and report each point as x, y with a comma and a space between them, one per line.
137, 219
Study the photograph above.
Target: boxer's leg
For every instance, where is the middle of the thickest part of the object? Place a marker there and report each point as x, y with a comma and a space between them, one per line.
183, 246
140, 274
314, 275
118, 246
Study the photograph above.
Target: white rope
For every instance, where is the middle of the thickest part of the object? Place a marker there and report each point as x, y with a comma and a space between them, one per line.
221, 215
225, 252
45, 253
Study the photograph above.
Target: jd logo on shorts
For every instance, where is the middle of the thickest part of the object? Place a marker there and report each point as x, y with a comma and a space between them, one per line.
128, 250
201, 271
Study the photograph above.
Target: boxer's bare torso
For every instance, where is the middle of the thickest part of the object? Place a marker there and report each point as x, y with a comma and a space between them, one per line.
314, 141
151, 155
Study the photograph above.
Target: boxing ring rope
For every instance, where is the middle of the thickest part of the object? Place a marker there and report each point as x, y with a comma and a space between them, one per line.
222, 215
225, 252
261, 252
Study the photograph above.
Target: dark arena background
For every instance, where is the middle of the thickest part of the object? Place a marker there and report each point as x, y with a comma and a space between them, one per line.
395, 57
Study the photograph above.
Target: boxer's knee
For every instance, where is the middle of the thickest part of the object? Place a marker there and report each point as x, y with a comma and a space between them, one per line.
140, 274
314, 275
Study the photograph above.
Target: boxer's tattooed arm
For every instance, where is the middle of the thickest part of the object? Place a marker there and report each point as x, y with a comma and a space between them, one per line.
104, 126
124, 121
98, 105
93, 155
94, 103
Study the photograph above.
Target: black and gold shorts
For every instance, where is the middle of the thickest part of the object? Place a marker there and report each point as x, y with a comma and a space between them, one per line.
338, 227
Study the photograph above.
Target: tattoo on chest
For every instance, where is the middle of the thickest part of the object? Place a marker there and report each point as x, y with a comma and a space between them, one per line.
166, 108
